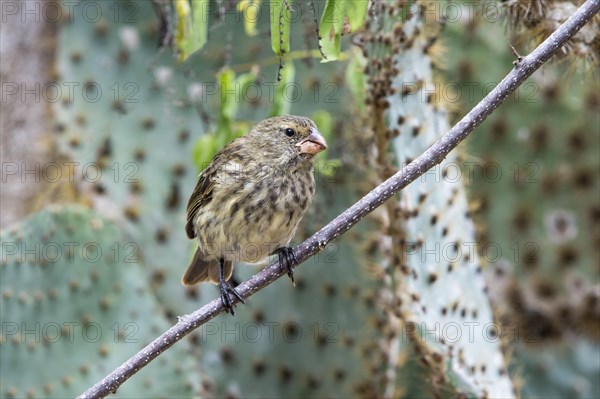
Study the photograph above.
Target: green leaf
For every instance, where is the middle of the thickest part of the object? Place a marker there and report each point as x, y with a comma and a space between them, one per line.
229, 94
280, 26
250, 10
324, 122
191, 29
246, 79
331, 24
227, 129
356, 10
183, 22
284, 92
231, 91
323, 164
204, 150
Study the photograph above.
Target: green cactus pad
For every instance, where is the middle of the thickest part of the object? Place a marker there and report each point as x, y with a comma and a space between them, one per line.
75, 305
440, 290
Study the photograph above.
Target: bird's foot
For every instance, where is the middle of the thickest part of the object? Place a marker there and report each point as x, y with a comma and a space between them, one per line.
226, 289
287, 260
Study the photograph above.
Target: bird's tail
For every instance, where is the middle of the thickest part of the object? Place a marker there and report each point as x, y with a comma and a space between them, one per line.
203, 268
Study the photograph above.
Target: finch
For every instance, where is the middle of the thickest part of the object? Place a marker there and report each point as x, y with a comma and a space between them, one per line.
249, 201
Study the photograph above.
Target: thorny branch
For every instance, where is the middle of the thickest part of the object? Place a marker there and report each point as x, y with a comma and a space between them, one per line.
433, 156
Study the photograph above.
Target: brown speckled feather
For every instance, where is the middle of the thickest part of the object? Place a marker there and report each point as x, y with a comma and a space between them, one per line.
202, 194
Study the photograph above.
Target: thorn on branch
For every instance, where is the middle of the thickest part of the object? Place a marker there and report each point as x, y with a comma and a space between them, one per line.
516, 54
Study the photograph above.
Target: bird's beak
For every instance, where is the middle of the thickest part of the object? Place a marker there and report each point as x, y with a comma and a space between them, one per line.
313, 144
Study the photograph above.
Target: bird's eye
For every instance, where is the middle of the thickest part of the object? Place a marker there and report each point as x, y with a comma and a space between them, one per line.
290, 132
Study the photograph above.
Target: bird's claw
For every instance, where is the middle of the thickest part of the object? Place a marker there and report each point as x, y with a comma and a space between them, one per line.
226, 300
287, 257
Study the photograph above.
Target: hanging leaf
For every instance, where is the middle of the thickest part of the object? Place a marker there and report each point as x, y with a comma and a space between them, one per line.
191, 29
331, 29
280, 26
204, 150
325, 165
250, 11
227, 129
356, 11
183, 13
324, 122
339, 17
229, 103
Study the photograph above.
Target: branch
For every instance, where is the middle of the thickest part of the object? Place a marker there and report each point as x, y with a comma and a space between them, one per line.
433, 156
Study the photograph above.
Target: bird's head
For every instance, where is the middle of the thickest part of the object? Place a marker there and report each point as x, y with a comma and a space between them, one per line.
287, 140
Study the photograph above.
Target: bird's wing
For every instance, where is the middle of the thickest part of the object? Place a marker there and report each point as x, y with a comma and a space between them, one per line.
201, 196
203, 192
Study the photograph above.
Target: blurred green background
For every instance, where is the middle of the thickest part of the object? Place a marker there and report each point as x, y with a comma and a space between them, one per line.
112, 108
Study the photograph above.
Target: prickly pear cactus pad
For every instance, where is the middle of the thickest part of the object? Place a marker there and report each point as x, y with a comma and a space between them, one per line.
568, 370
440, 290
535, 183
131, 134
74, 306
